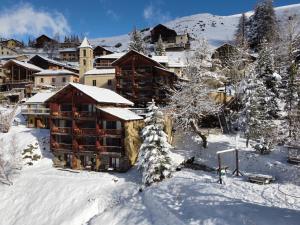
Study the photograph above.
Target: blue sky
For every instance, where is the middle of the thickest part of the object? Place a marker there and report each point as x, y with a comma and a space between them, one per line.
102, 18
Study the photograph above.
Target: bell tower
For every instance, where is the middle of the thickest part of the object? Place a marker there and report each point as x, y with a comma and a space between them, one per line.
85, 58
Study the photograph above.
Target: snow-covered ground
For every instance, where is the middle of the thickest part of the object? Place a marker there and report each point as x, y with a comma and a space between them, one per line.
41, 194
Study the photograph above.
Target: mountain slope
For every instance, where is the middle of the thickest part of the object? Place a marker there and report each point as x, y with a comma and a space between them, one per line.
216, 29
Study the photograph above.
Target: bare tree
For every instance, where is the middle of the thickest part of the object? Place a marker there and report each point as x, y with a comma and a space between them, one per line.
191, 102
10, 162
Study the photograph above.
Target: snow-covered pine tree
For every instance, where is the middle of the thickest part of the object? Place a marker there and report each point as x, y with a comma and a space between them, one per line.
265, 70
190, 102
257, 121
160, 47
154, 155
137, 42
241, 32
263, 24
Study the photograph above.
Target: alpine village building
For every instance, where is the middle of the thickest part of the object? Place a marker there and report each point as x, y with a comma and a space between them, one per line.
140, 79
92, 128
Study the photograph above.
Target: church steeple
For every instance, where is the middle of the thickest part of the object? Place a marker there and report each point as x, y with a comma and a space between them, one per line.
85, 58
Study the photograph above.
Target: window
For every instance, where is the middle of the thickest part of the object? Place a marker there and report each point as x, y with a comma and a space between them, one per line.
53, 80
94, 82
111, 125
113, 141
109, 82
115, 163
63, 79
84, 62
42, 80
84, 52
66, 107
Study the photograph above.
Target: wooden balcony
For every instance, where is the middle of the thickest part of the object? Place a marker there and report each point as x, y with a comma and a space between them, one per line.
61, 114
61, 146
111, 132
38, 111
110, 149
61, 130
87, 148
96, 132
86, 131
84, 115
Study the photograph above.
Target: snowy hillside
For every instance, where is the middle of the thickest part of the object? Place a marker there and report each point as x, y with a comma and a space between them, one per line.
42, 194
216, 29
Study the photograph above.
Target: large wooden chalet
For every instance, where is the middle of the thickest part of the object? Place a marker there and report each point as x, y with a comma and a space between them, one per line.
99, 51
167, 34
140, 79
43, 40
19, 74
91, 128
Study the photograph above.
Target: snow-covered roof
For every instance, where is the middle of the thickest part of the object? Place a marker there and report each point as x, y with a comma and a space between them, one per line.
24, 64
67, 65
160, 59
85, 43
122, 113
56, 72
68, 50
176, 64
102, 95
39, 97
112, 56
100, 71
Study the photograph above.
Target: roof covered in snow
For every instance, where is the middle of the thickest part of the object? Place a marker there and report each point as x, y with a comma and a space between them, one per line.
122, 113
23, 64
68, 50
85, 43
56, 72
101, 95
40, 97
160, 59
100, 71
112, 56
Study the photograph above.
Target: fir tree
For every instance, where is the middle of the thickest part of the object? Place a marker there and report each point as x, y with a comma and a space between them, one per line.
137, 42
160, 47
154, 160
241, 33
257, 122
265, 70
263, 24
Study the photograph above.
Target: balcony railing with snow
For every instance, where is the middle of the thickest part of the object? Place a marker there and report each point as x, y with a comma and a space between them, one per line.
39, 111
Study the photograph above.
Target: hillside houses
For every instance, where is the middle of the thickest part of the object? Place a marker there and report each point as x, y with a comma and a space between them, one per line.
172, 40
6, 51
55, 77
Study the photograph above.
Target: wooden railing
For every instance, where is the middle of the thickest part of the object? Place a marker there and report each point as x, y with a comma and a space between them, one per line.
63, 130
83, 114
87, 147
61, 113
35, 111
61, 146
95, 131
117, 149
85, 131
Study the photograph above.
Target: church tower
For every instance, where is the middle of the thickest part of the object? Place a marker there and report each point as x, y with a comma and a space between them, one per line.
85, 58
